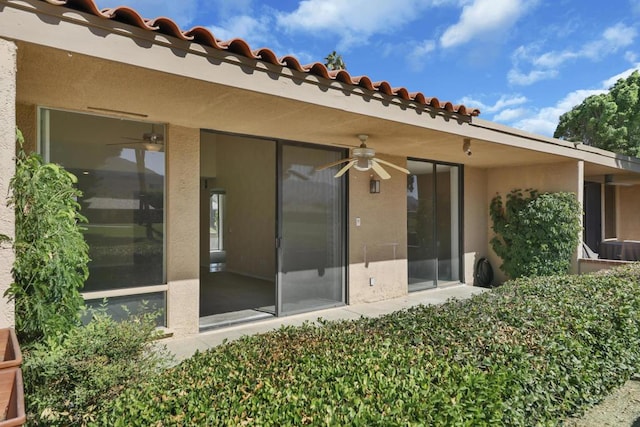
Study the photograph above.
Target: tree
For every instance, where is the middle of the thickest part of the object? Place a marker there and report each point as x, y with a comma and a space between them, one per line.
334, 61
610, 121
51, 255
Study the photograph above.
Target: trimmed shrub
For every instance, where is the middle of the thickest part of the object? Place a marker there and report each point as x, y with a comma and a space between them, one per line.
532, 352
51, 254
536, 235
68, 382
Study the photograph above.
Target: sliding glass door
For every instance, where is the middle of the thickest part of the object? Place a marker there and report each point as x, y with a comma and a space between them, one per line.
433, 224
311, 236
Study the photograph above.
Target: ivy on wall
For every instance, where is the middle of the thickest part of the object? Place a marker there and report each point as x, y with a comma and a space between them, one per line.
537, 233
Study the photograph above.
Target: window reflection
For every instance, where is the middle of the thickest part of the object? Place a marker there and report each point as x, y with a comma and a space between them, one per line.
120, 165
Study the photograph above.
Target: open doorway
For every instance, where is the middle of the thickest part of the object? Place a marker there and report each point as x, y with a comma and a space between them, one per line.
272, 229
237, 229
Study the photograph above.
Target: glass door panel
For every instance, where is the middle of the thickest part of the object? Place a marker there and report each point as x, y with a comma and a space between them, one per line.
421, 251
447, 215
312, 231
433, 222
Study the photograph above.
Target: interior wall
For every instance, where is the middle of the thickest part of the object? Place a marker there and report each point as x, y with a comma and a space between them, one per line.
556, 177
382, 235
476, 220
628, 211
246, 172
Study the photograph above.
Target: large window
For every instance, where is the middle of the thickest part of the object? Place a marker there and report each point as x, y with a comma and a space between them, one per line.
120, 166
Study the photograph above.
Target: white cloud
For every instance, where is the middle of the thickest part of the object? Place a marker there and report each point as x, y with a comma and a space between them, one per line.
613, 38
416, 59
254, 31
623, 75
545, 66
503, 102
354, 21
509, 115
516, 77
481, 18
184, 12
545, 120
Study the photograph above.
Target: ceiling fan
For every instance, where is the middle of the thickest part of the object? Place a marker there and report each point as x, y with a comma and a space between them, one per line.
363, 159
150, 141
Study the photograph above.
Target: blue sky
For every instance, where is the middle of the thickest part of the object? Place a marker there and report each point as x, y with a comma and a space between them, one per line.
522, 62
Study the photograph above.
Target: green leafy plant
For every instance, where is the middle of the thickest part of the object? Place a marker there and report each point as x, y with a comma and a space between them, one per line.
537, 234
608, 120
67, 382
51, 254
531, 352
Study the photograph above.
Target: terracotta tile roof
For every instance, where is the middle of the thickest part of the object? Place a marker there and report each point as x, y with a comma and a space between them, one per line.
203, 36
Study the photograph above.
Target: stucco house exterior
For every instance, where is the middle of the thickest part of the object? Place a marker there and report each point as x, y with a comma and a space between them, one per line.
197, 159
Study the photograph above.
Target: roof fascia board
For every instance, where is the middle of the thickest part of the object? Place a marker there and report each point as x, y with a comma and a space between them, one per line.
77, 32
516, 137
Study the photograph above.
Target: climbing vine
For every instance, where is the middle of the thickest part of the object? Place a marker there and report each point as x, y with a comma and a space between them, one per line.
536, 234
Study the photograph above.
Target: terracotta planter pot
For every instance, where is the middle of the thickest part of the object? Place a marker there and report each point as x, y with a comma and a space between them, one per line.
11, 398
10, 355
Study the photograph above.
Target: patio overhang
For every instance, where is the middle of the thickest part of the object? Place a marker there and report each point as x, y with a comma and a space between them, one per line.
119, 69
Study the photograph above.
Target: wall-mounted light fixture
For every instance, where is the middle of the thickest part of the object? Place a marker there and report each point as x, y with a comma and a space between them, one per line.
374, 185
466, 146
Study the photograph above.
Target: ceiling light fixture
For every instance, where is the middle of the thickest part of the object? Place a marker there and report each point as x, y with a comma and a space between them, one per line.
466, 146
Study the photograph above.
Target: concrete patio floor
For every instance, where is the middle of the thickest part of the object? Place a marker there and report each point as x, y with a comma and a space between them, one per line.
184, 348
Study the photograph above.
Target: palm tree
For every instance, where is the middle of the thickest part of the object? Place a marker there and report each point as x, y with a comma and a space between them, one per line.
334, 61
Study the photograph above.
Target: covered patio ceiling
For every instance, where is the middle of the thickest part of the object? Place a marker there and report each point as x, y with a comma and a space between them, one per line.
78, 61
79, 82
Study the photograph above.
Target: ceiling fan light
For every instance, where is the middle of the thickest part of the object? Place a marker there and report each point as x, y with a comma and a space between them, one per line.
154, 147
363, 165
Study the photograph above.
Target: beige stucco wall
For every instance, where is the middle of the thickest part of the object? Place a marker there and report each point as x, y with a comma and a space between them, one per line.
383, 229
7, 166
476, 217
183, 215
628, 212
566, 176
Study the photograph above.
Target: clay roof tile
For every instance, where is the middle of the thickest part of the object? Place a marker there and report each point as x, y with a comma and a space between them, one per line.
205, 37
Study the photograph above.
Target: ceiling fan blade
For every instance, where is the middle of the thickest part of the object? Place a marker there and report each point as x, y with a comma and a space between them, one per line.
401, 169
345, 169
379, 170
328, 165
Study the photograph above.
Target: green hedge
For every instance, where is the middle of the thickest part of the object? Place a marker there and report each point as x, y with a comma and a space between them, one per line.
531, 352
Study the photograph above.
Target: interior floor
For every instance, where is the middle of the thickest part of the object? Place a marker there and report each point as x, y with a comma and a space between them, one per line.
226, 292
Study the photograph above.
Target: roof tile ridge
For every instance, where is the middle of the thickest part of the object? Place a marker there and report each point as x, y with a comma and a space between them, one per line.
292, 62
363, 81
204, 36
318, 69
268, 55
168, 26
383, 86
128, 15
239, 46
83, 5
